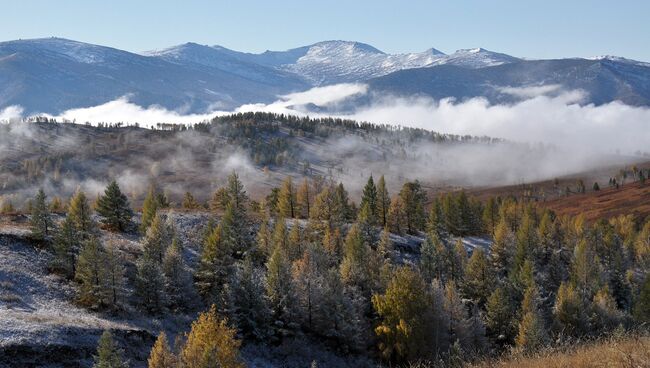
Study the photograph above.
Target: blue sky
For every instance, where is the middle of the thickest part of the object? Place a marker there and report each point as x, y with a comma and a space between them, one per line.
538, 29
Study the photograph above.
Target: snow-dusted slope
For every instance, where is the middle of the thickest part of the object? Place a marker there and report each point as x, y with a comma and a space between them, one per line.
343, 61
475, 58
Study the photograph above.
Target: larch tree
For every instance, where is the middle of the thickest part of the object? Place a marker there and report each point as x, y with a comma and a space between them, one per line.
80, 215
161, 355
115, 271
90, 273
499, 316
109, 355
532, 332
287, 199
215, 266
383, 202
397, 216
157, 239
114, 208
280, 293
41, 220
405, 330
304, 199
211, 342
178, 281
479, 280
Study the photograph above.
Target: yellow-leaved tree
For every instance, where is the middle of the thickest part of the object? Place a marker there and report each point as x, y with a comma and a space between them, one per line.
211, 343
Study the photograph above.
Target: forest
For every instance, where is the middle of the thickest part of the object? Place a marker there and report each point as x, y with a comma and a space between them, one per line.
306, 260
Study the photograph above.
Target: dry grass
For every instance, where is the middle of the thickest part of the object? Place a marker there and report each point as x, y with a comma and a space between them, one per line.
630, 352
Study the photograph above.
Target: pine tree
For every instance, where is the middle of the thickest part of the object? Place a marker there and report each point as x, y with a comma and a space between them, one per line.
220, 200
108, 354
215, 266
304, 199
150, 285
307, 280
178, 282
264, 238
606, 315
499, 316
341, 212
41, 219
91, 274
237, 196
479, 281
406, 327
457, 326
161, 355
280, 293
67, 243
436, 222
366, 223
115, 270
430, 258
115, 209
383, 202
80, 215
251, 310
211, 343
369, 199
287, 199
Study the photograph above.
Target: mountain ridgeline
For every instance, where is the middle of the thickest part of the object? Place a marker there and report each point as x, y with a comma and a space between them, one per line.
54, 75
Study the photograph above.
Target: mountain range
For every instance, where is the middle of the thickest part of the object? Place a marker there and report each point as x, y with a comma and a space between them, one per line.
52, 75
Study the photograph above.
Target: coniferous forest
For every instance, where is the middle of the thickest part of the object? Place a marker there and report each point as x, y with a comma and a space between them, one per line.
393, 278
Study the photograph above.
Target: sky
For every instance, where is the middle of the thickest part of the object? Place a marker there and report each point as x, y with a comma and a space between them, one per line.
534, 29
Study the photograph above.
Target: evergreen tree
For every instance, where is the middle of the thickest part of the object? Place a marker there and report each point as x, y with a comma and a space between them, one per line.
413, 198
383, 202
114, 208
108, 354
342, 212
479, 281
287, 199
152, 203
366, 223
532, 333
80, 215
211, 343
369, 199
251, 310
238, 197
491, 216
436, 222
157, 239
430, 258
406, 327
161, 355
356, 253
499, 316
41, 219
90, 273
178, 282
397, 216
189, 202
115, 282
385, 247
642, 303
280, 293
308, 282
220, 200
457, 326
304, 199
150, 285
569, 312
215, 267
66, 248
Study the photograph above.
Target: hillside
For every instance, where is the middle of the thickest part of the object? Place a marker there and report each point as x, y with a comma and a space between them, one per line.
263, 149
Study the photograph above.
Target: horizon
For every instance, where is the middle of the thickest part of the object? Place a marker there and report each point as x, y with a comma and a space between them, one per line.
538, 31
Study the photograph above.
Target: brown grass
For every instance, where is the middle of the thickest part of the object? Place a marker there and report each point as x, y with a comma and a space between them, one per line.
624, 352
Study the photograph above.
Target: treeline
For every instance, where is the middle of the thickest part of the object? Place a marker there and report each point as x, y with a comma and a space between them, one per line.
307, 260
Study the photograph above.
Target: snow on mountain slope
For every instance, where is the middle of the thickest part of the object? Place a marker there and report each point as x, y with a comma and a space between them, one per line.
343, 61
475, 58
